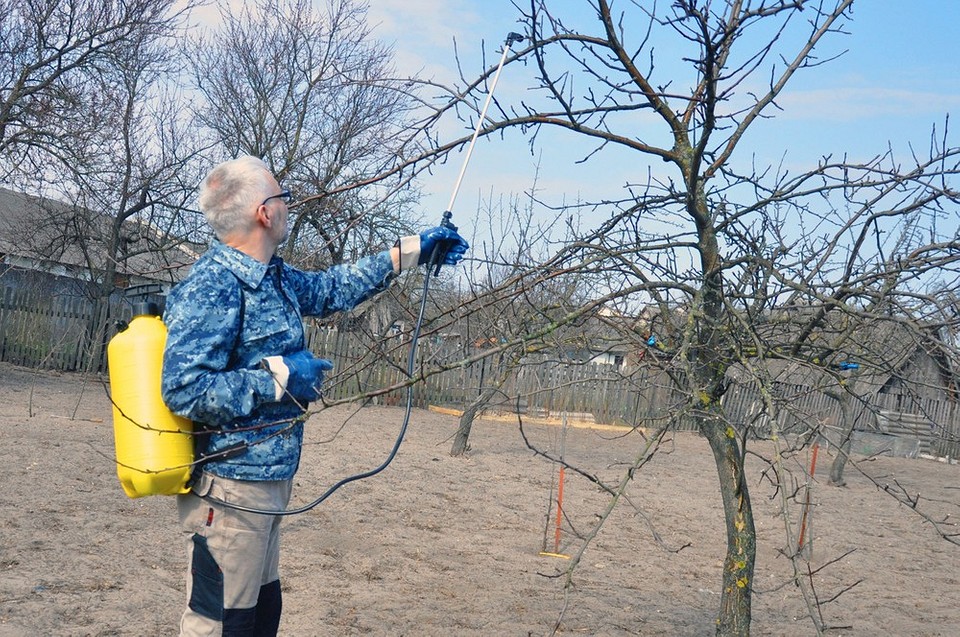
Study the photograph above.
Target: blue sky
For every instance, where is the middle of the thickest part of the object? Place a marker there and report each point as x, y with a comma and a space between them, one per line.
898, 79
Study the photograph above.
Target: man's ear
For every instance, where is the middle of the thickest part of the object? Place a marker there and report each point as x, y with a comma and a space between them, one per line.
263, 217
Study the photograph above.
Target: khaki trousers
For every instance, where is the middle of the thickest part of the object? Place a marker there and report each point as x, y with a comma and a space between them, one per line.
232, 555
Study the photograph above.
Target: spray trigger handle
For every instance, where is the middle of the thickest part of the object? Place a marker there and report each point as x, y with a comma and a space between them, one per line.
440, 250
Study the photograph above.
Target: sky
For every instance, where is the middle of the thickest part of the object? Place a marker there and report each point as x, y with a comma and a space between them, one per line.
897, 80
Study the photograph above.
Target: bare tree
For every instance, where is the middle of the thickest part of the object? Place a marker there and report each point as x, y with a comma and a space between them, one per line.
311, 92
502, 256
56, 56
89, 118
721, 247
91, 122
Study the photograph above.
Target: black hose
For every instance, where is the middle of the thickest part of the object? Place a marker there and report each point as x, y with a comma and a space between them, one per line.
411, 362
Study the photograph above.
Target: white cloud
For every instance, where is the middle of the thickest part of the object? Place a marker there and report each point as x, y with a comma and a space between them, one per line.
854, 104
423, 33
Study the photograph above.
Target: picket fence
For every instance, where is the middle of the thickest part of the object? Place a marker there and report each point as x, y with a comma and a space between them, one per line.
629, 397
70, 334
55, 332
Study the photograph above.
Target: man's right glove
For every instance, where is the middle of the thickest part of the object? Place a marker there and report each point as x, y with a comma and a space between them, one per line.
418, 249
299, 375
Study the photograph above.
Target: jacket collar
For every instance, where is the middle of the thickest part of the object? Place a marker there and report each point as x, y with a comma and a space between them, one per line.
244, 267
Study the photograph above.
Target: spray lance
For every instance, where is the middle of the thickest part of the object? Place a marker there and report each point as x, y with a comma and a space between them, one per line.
439, 252
436, 259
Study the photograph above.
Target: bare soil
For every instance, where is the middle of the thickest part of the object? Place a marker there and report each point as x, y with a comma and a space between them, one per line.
437, 545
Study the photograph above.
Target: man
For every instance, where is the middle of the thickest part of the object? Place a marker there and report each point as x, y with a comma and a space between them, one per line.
236, 364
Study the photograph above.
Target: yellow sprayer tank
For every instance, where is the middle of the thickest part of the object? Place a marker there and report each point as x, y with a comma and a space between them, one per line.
154, 446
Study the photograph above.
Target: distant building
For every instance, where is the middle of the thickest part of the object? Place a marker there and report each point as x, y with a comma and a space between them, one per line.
62, 292
52, 246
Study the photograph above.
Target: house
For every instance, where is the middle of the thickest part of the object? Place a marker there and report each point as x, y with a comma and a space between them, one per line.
64, 250
870, 377
606, 336
867, 372
62, 285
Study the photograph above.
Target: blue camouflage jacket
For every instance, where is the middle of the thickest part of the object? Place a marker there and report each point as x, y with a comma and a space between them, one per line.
230, 313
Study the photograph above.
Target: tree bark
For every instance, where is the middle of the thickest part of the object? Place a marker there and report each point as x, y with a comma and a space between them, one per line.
843, 451
708, 366
461, 440
738, 565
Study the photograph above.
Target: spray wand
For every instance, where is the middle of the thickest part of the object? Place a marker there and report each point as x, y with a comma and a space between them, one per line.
440, 251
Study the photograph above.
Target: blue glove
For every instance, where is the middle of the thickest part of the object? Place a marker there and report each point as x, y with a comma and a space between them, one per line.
298, 375
452, 246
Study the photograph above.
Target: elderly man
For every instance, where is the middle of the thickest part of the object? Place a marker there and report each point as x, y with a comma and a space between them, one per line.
236, 364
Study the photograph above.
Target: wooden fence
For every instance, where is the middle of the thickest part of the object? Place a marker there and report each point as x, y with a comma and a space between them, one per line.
69, 334
54, 332
632, 396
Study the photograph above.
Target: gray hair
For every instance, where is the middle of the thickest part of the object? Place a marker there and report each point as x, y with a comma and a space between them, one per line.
229, 193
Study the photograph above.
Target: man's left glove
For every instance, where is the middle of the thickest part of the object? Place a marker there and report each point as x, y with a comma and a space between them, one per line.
299, 374
418, 249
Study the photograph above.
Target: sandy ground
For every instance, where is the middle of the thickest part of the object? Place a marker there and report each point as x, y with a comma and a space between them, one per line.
437, 545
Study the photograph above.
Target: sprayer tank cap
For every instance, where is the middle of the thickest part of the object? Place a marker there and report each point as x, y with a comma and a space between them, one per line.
146, 308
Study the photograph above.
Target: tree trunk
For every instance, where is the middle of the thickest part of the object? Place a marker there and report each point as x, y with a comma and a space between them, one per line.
846, 396
461, 440
709, 365
846, 437
738, 565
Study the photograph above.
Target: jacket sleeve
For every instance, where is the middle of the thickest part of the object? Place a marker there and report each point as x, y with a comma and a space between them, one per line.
341, 287
198, 381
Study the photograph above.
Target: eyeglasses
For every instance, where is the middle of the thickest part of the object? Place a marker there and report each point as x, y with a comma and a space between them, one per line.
284, 195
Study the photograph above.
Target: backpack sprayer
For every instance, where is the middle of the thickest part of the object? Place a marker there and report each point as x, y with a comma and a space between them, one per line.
155, 447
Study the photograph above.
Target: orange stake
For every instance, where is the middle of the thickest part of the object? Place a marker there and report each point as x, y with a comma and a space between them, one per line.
556, 537
806, 504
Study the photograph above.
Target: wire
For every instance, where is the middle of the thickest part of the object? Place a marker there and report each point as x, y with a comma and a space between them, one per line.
411, 364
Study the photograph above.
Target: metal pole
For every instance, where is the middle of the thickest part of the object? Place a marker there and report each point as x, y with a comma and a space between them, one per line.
440, 251
511, 38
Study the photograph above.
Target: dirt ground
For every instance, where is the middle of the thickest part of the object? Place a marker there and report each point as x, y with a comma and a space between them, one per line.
437, 545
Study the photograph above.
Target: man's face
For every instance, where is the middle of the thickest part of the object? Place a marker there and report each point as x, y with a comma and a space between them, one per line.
278, 213
284, 229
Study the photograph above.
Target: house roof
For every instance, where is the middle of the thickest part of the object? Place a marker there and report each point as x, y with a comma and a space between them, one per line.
886, 349
48, 233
